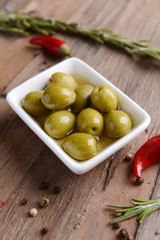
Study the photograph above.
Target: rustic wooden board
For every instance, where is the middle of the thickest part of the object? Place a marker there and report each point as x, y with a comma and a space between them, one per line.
79, 211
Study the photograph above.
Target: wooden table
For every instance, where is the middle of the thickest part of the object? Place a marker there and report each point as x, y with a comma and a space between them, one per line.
79, 211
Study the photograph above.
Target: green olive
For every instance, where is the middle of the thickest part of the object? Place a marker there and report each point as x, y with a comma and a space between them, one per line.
59, 124
64, 78
33, 105
90, 121
81, 146
83, 94
104, 98
117, 124
58, 96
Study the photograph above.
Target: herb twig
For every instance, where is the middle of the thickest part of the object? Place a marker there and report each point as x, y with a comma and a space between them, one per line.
25, 24
139, 208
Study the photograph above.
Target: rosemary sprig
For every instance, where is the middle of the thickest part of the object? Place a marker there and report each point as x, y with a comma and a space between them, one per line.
25, 24
139, 208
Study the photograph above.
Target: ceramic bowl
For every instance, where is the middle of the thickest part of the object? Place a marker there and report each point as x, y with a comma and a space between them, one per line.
79, 69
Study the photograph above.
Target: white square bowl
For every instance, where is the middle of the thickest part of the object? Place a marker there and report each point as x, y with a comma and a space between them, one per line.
77, 67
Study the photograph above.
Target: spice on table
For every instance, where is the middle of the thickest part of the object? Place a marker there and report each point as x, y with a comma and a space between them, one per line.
2, 203
56, 189
45, 230
128, 157
140, 208
44, 185
147, 155
123, 233
139, 180
158, 232
55, 46
24, 201
44, 202
33, 212
116, 225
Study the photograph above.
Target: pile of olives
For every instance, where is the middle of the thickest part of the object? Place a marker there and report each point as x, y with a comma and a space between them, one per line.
78, 113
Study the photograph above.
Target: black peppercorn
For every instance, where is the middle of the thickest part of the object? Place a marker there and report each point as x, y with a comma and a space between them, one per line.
116, 225
123, 233
139, 180
56, 189
128, 157
24, 201
44, 185
45, 230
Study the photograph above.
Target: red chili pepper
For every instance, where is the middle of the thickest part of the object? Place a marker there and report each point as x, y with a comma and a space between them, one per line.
147, 155
55, 46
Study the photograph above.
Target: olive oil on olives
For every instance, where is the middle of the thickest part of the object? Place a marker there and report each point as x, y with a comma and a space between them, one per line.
83, 119
90, 121
64, 78
81, 146
58, 96
33, 105
117, 124
83, 93
59, 124
104, 98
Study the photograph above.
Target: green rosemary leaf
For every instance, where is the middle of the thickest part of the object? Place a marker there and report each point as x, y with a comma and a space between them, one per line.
146, 212
140, 208
143, 202
25, 24
158, 232
126, 216
13, 30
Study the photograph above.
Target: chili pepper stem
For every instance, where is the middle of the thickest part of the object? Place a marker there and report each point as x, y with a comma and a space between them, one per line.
64, 51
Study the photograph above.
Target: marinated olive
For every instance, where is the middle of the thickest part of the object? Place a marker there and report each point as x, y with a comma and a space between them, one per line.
64, 78
58, 96
59, 124
81, 146
90, 121
83, 94
33, 105
117, 124
104, 98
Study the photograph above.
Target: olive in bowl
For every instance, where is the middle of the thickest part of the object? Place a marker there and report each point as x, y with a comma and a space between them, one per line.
81, 146
60, 77
33, 105
59, 124
117, 124
90, 121
58, 96
104, 98
83, 93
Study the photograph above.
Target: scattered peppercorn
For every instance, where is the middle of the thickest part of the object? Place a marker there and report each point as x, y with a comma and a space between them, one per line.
129, 238
56, 189
2, 203
128, 157
116, 225
123, 233
33, 212
44, 202
146, 131
44, 185
158, 232
139, 180
3, 95
45, 230
24, 201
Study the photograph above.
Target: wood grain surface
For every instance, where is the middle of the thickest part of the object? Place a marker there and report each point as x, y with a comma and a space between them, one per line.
79, 211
